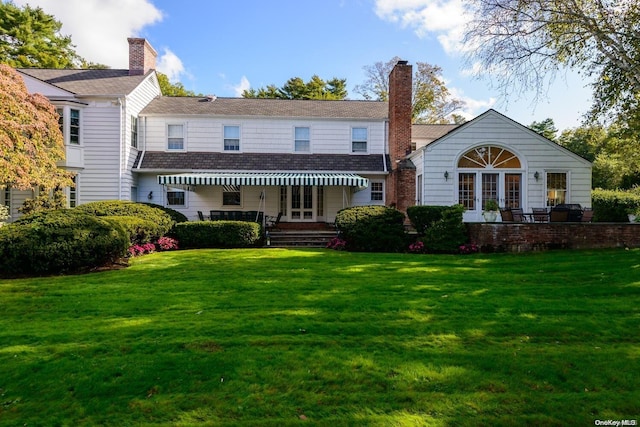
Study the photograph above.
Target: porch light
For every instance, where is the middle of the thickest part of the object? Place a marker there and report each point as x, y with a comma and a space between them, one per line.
150, 196
446, 175
536, 176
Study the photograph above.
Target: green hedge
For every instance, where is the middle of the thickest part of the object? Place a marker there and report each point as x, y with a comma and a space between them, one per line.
614, 205
423, 217
163, 220
372, 229
217, 234
138, 229
448, 233
59, 241
176, 216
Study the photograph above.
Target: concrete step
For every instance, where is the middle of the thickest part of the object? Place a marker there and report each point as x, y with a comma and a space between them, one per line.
300, 238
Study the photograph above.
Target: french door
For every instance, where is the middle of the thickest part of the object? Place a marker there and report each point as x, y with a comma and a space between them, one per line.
475, 188
303, 198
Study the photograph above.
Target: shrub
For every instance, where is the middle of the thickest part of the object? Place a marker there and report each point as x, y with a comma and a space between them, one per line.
124, 208
441, 227
337, 244
59, 241
140, 230
372, 229
614, 205
217, 234
44, 201
422, 217
176, 216
4, 214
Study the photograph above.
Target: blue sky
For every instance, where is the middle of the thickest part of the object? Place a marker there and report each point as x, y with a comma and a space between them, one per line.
221, 47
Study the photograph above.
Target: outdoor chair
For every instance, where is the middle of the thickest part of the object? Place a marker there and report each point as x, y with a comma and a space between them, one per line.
540, 215
200, 216
587, 215
506, 214
272, 222
216, 215
518, 215
559, 215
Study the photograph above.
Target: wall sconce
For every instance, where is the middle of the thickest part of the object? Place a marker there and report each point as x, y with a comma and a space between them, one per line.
150, 196
536, 176
446, 175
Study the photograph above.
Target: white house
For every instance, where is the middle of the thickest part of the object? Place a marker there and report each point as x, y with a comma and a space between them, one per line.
493, 157
306, 159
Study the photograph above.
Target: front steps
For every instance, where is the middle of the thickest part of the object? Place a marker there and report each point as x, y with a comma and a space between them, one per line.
300, 238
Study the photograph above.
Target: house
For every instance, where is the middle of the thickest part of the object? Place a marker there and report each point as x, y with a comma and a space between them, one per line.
99, 118
306, 159
494, 157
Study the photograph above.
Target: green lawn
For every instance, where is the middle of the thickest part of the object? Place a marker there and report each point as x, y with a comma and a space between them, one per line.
315, 337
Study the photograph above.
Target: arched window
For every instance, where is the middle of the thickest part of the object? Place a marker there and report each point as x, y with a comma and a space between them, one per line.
489, 156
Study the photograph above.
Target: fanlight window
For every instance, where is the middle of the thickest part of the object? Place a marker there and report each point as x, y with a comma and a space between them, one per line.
489, 156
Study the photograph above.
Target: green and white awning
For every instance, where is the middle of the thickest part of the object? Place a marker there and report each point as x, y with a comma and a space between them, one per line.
265, 179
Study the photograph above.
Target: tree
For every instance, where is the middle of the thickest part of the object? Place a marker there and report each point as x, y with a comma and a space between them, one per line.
296, 88
432, 101
31, 38
546, 128
31, 142
526, 42
173, 89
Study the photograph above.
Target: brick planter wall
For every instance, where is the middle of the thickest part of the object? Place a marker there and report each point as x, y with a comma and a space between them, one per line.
523, 237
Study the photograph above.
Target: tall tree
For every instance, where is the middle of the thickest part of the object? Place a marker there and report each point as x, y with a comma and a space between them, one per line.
173, 89
296, 88
31, 142
546, 128
432, 101
31, 38
524, 43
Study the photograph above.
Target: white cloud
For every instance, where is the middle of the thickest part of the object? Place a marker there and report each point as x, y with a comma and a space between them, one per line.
445, 19
171, 65
242, 86
99, 28
473, 107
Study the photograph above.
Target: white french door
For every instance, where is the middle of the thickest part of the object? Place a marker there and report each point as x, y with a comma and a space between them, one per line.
303, 200
475, 188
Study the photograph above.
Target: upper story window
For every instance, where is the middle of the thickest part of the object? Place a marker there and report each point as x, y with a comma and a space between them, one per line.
60, 112
489, 156
358, 140
302, 139
73, 192
134, 131
232, 138
175, 137
74, 126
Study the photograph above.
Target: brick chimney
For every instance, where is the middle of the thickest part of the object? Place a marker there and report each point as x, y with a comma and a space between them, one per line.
142, 57
401, 182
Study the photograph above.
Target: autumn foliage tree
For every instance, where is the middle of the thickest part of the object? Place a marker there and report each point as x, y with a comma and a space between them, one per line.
31, 142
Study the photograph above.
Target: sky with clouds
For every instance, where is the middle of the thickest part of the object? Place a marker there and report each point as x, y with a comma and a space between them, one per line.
222, 47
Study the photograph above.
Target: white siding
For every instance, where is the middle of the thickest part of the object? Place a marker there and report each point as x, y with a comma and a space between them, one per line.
205, 134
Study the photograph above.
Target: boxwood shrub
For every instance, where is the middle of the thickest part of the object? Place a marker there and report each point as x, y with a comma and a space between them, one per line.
59, 241
372, 229
614, 205
217, 234
124, 208
176, 216
138, 229
423, 217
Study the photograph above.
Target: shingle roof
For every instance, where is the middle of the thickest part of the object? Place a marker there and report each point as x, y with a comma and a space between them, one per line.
87, 82
230, 162
431, 132
345, 109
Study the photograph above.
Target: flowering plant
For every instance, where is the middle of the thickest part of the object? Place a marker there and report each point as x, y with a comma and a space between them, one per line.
4, 214
167, 243
337, 243
417, 247
145, 248
468, 248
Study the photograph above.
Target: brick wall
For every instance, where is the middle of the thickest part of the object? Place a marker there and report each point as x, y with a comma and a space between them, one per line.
496, 237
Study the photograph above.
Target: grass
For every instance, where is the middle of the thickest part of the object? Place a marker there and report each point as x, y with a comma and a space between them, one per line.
316, 337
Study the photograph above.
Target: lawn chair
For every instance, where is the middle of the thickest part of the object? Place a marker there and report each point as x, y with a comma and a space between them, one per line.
518, 215
506, 214
540, 215
587, 215
200, 216
272, 222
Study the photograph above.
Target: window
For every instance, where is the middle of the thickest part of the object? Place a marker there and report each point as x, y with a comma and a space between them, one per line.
175, 198
556, 189
6, 196
377, 191
60, 112
73, 192
359, 140
175, 137
232, 138
489, 155
283, 200
134, 131
302, 139
320, 209
231, 195
74, 126
467, 190
419, 190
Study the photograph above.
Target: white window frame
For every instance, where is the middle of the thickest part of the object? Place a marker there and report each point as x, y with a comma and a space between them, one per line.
301, 140
360, 141
73, 191
177, 191
184, 139
64, 121
224, 138
78, 127
379, 192
567, 192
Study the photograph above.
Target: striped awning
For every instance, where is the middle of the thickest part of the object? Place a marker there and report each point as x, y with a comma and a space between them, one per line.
265, 179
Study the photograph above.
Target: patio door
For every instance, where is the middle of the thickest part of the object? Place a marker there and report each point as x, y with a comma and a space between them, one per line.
475, 188
302, 203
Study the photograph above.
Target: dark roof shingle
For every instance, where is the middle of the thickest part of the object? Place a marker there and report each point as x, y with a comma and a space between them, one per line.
87, 82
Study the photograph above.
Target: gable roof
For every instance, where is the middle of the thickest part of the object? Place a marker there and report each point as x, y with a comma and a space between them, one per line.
431, 132
88, 82
345, 109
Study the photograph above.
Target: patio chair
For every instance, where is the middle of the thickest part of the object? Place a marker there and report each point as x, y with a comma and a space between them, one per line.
540, 215
216, 215
272, 222
200, 216
559, 215
506, 214
587, 215
518, 215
